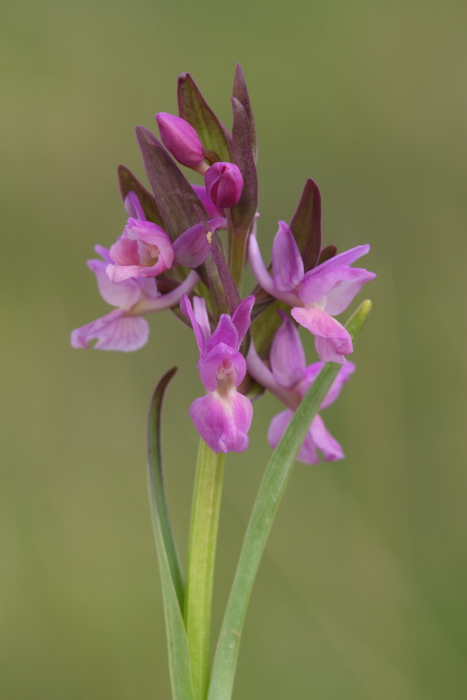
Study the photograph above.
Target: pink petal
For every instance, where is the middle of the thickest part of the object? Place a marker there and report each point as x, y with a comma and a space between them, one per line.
133, 206
338, 284
265, 377
335, 390
167, 301
103, 252
324, 441
119, 273
307, 453
113, 332
124, 251
277, 427
332, 340
191, 248
224, 333
346, 258
263, 277
287, 356
201, 315
124, 295
242, 317
210, 208
223, 423
187, 309
209, 365
287, 263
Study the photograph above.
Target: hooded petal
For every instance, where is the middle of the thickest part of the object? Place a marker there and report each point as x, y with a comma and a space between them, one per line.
324, 441
210, 208
287, 263
116, 331
224, 333
232, 361
191, 248
223, 423
332, 340
124, 295
287, 356
242, 317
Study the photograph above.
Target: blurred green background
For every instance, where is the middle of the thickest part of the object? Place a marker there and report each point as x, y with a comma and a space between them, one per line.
362, 591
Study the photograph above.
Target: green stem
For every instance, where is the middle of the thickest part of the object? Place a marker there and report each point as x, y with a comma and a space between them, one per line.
200, 569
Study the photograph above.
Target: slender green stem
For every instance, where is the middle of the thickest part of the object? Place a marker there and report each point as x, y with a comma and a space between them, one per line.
200, 569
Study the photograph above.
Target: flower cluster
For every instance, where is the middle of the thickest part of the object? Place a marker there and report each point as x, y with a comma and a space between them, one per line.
170, 255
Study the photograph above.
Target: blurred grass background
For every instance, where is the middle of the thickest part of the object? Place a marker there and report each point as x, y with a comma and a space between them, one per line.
362, 591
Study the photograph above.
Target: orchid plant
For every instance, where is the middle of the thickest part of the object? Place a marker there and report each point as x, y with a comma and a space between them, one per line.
172, 255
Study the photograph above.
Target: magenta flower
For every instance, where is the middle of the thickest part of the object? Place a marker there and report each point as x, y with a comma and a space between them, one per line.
316, 296
224, 184
289, 379
124, 329
145, 250
222, 417
181, 139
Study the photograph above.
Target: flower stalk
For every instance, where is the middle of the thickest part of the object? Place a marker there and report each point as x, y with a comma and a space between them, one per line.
200, 568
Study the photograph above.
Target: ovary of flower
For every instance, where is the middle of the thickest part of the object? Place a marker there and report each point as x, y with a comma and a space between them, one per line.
316, 296
222, 417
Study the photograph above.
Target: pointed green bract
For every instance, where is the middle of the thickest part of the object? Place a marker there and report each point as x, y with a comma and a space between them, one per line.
306, 224
195, 110
240, 92
171, 578
173, 193
129, 183
272, 487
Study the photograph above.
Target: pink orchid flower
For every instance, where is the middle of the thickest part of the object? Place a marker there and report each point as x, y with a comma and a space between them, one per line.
124, 328
289, 379
222, 417
316, 296
145, 250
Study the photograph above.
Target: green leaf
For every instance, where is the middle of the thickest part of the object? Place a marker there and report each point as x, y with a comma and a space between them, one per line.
169, 568
194, 109
306, 224
272, 487
174, 195
129, 183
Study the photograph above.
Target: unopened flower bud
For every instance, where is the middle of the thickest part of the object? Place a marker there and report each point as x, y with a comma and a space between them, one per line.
180, 139
224, 184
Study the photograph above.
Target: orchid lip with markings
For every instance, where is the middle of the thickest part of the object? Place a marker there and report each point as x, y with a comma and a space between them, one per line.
317, 295
222, 417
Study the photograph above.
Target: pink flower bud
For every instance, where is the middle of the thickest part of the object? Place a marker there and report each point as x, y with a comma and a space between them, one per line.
180, 139
224, 184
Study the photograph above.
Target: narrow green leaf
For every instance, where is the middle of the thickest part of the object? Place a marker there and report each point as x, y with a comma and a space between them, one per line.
129, 183
272, 487
306, 224
174, 195
169, 568
194, 109
240, 92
